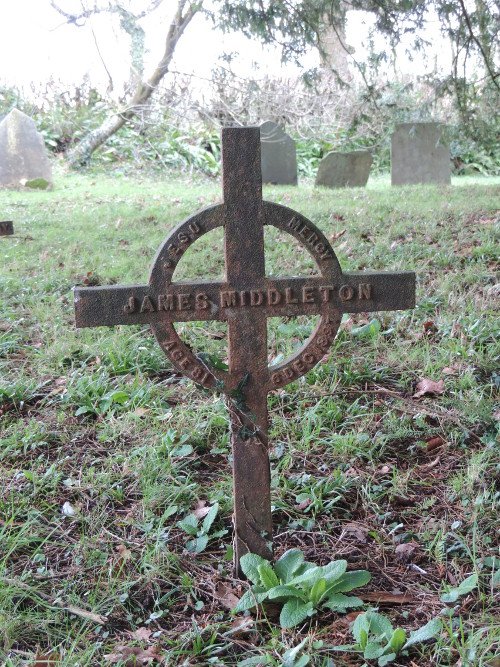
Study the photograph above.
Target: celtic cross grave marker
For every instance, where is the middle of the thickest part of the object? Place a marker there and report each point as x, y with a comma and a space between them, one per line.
245, 299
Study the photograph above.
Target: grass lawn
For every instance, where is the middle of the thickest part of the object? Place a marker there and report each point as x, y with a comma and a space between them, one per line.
105, 449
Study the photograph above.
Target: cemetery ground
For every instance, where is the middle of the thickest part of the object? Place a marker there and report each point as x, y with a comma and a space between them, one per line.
385, 454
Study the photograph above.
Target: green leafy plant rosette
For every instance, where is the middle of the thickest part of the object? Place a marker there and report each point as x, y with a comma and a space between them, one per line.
301, 587
466, 586
200, 534
378, 640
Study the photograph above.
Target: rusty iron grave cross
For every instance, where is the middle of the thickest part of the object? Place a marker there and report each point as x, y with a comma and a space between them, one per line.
245, 299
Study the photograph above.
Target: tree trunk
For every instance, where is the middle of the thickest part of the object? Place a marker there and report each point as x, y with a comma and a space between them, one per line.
81, 154
334, 51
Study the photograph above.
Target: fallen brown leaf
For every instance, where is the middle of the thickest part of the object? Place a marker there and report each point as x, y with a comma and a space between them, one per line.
336, 236
133, 656
141, 634
402, 500
241, 625
430, 327
118, 564
349, 618
457, 331
303, 504
347, 324
493, 291
434, 443
431, 465
357, 531
201, 510
125, 554
404, 552
347, 250
427, 386
225, 594
140, 412
216, 335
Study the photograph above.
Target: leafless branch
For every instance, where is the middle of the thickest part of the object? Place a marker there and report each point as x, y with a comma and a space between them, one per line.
486, 60
110, 78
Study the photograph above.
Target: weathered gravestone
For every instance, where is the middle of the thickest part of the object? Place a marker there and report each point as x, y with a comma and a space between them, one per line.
278, 155
344, 170
6, 227
419, 154
245, 299
23, 157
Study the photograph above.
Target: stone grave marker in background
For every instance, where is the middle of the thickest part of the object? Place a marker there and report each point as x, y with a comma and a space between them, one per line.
345, 170
245, 299
23, 156
419, 154
6, 227
278, 155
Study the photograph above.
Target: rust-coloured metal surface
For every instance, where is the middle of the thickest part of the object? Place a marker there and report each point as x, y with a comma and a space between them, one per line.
6, 227
245, 299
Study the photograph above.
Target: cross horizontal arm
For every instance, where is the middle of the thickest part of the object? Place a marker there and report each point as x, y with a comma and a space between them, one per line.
367, 291
216, 300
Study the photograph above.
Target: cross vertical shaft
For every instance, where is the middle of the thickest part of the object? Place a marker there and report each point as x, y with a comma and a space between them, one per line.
247, 333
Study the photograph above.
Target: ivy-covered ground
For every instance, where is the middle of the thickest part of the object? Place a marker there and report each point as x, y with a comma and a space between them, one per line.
385, 455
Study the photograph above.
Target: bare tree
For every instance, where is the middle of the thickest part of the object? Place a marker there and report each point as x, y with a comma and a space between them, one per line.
185, 11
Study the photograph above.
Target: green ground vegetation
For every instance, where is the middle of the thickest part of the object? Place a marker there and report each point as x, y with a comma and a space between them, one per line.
106, 451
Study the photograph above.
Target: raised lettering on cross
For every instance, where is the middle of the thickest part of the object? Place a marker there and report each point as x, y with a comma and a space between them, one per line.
245, 299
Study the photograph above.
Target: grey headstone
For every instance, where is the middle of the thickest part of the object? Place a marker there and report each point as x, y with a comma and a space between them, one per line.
23, 156
344, 170
419, 154
278, 155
